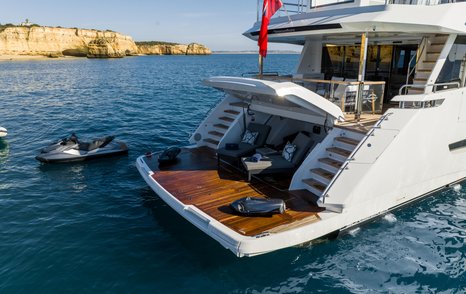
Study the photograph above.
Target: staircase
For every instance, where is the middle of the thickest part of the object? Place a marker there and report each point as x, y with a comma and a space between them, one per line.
221, 124
426, 63
332, 160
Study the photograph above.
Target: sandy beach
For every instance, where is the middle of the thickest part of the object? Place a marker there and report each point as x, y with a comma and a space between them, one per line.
32, 57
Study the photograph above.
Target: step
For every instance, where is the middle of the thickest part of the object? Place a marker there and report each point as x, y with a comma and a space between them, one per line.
422, 75
231, 111
415, 91
222, 126
226, 118
419, 81
437, 43
331, 162
239, 104
431, 57
323, 173
211, 141
437, 47
305, 195
315, 184
216, 134
427, 67
347, 140
424, 70
339, 151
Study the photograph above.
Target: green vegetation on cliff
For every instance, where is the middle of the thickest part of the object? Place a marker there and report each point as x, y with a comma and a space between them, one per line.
10, 25
152, 43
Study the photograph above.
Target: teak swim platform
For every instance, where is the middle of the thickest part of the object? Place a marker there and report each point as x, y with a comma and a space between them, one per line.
196, 180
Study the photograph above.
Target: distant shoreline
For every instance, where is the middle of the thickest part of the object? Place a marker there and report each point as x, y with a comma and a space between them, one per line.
43, 57
255, 52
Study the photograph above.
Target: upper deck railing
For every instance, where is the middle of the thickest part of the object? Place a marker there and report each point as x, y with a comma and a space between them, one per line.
423, 2
291, 7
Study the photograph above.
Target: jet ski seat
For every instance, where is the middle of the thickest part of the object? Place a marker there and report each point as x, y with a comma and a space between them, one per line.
97, 143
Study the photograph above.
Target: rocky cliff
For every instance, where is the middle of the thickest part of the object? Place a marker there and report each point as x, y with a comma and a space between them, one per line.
153, 48
55, 42
51, 41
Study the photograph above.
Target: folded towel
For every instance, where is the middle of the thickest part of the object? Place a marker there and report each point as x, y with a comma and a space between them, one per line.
256, 157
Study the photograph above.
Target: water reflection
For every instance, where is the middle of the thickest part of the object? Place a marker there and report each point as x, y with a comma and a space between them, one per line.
4, 151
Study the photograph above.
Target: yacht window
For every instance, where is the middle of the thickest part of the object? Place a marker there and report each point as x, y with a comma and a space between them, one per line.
454, 68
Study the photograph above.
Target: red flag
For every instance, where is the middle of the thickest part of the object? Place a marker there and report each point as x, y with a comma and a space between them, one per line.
269, 9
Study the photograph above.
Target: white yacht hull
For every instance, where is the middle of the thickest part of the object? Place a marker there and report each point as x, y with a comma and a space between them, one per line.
405, 157
331, 222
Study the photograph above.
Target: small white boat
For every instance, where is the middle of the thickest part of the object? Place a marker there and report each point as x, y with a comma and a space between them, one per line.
3, 132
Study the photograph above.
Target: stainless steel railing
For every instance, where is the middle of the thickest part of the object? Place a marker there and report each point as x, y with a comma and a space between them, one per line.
351, 157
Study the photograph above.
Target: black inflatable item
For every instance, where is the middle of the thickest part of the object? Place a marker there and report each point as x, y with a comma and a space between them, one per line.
169, 155
258, 206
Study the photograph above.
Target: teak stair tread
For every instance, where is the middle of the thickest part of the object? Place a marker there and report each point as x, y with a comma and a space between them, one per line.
315, 184
217, 134
222, 126
323, 173
347, 140
211, 141
239, 104
331, 162
231, 111
339, 151
226, 118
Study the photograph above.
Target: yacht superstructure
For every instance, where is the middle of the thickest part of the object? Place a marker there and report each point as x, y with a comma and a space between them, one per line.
401, 68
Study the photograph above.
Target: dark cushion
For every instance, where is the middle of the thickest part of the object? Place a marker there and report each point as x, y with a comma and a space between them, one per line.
303, 143
278, 162
243, 149
263, 131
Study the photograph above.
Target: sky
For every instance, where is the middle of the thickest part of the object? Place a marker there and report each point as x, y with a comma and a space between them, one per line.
217, 24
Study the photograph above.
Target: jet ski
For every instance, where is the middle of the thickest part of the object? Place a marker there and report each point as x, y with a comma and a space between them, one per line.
3, 132
71, 149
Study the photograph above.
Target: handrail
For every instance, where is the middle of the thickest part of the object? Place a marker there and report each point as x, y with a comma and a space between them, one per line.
424, 3
299, 6
457, 84
418, 57
351, 156
257, 74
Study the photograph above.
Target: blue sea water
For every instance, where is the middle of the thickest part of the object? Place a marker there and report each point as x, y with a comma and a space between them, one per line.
96, 227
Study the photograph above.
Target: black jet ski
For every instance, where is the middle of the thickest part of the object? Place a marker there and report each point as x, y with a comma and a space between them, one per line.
71, 149
253, 206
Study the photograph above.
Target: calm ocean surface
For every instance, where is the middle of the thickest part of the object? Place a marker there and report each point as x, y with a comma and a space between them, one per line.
96, 226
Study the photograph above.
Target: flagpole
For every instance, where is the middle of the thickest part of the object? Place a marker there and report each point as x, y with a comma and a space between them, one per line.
258, 9
268, 10
261, 66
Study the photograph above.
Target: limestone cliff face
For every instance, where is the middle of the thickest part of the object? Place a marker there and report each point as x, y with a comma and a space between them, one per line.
51, 41
175, 49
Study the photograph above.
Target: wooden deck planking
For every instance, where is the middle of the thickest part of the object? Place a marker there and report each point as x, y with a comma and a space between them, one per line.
195, 180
